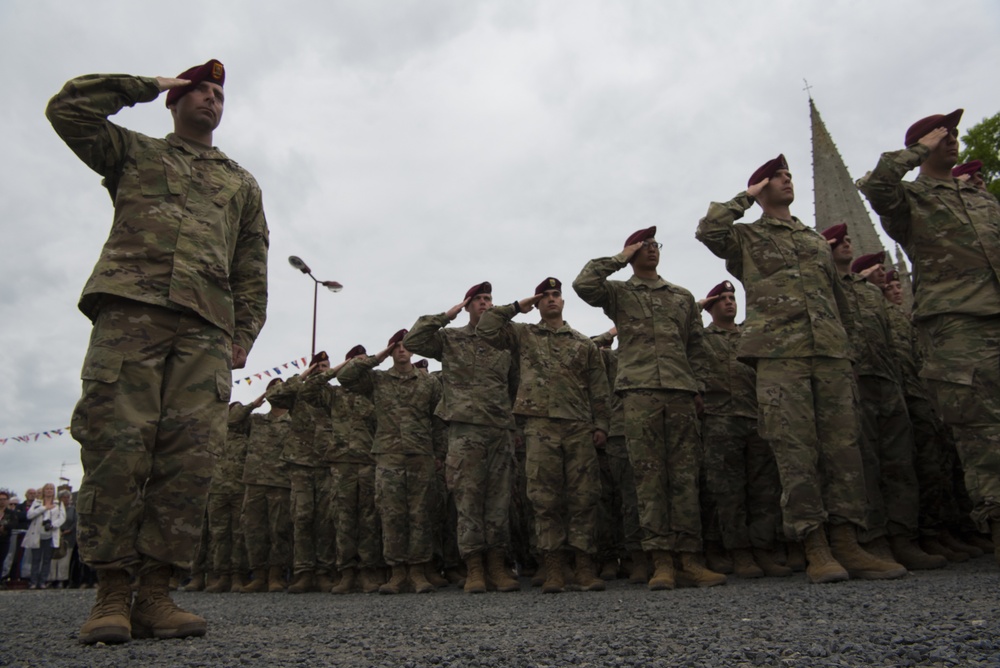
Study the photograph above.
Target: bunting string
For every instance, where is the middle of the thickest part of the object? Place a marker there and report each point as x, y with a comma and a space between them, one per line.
288, 368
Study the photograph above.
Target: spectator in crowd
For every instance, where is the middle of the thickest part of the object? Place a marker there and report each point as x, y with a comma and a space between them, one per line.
59, 574
8, 523
46, 515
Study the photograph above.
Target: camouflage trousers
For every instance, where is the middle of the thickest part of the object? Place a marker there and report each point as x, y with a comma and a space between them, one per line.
741, 484
523, 544
564, 483
267, 526
962, 371
227, 553
313, 546
199, 559
940, 485
478, 469
664, 446
355, 520
887, 452
445, 524
404, 496
623, 479
156, 385
808, 414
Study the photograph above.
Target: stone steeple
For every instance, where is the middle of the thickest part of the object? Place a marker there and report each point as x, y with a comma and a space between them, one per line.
837, 198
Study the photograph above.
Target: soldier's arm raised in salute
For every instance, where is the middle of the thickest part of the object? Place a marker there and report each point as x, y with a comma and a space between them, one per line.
591, 285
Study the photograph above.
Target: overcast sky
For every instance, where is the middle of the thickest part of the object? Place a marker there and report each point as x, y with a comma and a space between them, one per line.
411, 149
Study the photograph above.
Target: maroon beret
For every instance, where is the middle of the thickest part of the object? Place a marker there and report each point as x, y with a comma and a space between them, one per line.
321, 356
716, 292
967, 168
398, 337
866, 261
356, 351
274, 381
548, 284
836, 234
925, 125
640, 235
767, 170
484, 288
891, 276
212, 71
421, 364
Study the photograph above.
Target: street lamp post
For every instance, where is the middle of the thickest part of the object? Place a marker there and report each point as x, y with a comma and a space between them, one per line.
332, 286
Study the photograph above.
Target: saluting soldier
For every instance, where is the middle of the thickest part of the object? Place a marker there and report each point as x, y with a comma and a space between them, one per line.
177, 298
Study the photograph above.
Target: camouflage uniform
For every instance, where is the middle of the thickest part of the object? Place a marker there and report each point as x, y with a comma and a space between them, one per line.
795, 334
305, 447
267, 522
182, 277
887, 437
950, 230
741, 474
563, 396
479, 383
227, 549
408, 440
660, 357
623, 514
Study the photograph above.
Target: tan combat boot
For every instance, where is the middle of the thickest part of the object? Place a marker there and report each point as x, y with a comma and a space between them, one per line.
396, 581
346, 584
304, 583
796, 559
822, 566
767, 562
956, 544
719, 560
906, 552
538, 579
418, 579
219, 584
860, 564
977, 540
197, 583
371, 580
434, 576
554, 583
744, 565
276, 580
498, 575
258, 584
585, 575
109, 618
155, 615
693, 572
639, 573
238, 582
879, 548
324, 583
933, 545
609, 570
663, 571
475, 580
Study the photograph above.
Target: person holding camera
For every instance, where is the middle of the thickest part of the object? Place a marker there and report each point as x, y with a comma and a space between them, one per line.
46, 515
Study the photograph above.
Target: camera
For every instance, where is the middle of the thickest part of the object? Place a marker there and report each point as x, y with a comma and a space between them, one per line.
47, 525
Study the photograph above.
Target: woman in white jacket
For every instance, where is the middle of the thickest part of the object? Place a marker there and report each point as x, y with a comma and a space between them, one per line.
46, 515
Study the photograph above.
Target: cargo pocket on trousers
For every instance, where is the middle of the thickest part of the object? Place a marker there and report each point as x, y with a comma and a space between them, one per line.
769, 409
952, 390
86, 498
93, 418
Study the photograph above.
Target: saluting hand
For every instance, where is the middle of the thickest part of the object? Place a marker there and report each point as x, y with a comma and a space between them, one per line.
755, 189
239, 357
529, 303
385, 352
933, 138
166, 83
453, 312
632, 249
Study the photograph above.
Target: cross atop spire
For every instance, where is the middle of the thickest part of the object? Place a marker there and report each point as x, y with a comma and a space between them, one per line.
807, 89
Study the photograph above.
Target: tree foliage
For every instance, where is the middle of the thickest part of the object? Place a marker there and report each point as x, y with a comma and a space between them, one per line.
982, 142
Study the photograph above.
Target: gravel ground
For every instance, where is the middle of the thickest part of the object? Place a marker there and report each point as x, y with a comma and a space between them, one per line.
936, 618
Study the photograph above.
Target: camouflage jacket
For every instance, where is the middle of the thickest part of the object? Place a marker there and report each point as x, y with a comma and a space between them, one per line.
267, 438
659, 327
950, 230
479, 382
610, 358
352, 421
795, 304
189, 229
562, 373
904, 344
730, 385
871, 338
404, 407
227, 475
310, 430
